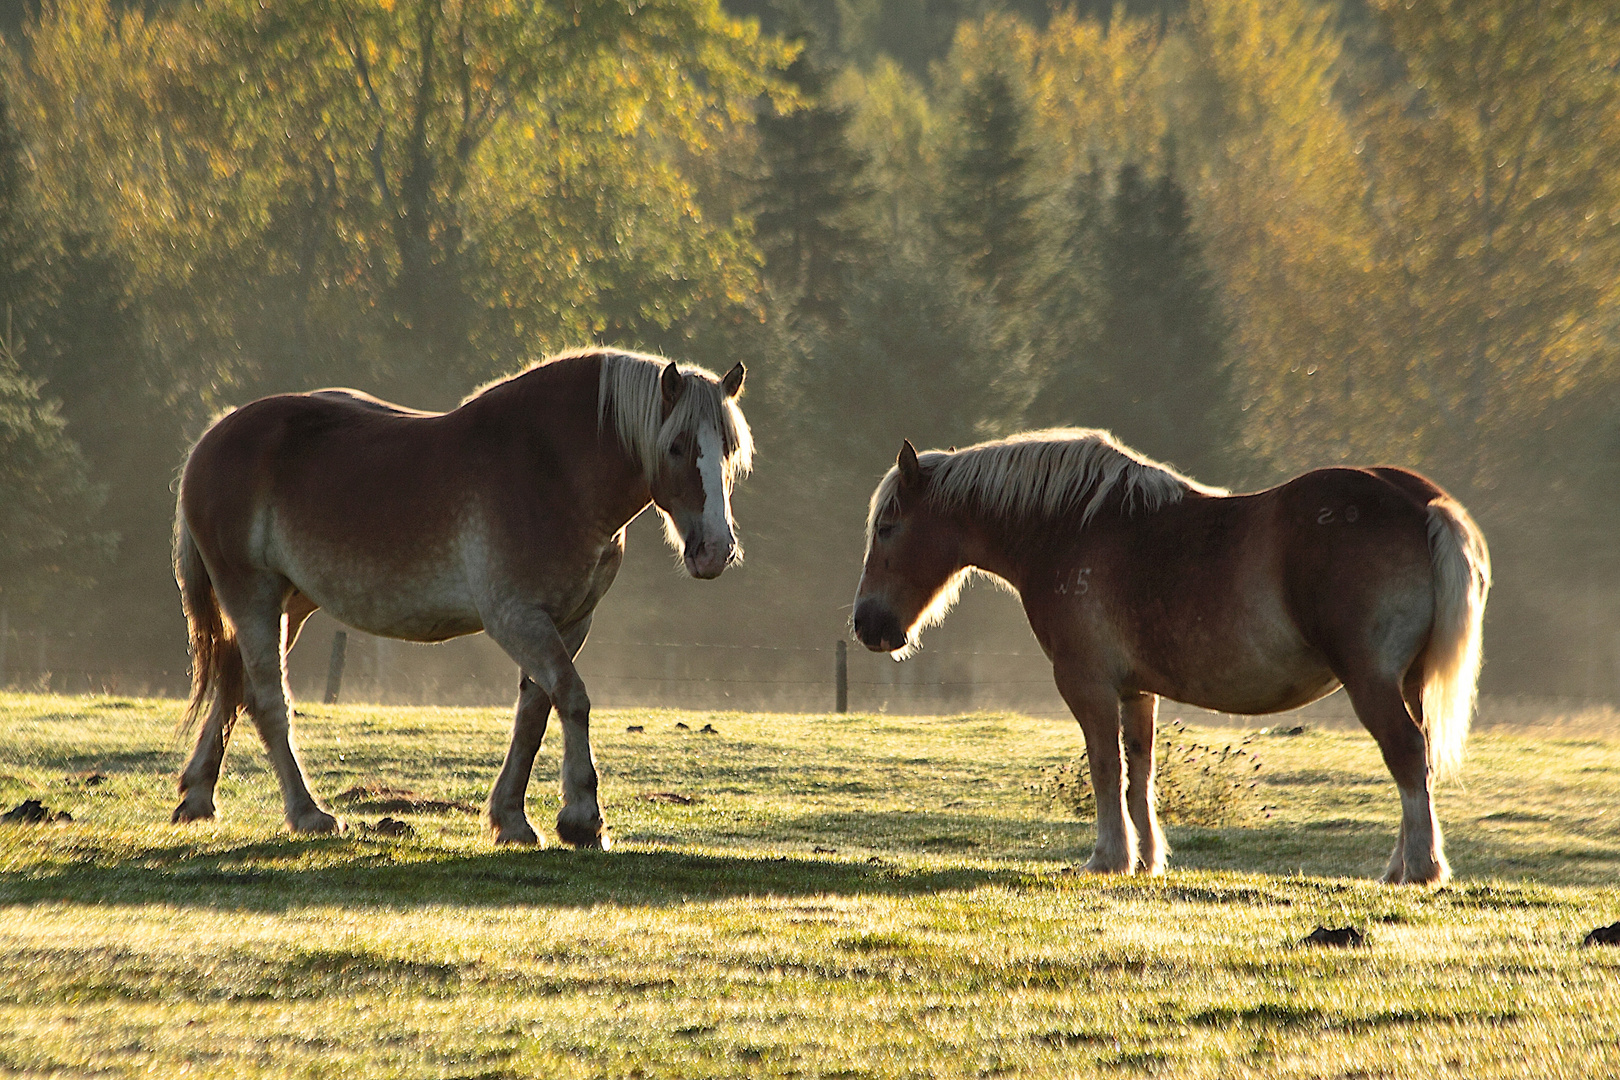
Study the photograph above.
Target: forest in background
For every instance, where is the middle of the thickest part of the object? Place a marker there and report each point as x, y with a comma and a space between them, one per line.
1249, 236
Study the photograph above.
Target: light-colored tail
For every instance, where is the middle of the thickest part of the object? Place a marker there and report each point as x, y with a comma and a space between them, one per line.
1462, 578
216, 662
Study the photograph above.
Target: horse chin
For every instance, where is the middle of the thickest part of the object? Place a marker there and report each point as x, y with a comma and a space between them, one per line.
877, 627
706, 569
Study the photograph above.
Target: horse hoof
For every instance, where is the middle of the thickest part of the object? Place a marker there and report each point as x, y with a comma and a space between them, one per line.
315, 822
1438, 874
186, 813
1095, 865
586, 835
519, 832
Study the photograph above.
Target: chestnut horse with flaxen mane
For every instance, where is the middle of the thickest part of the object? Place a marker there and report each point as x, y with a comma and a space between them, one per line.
505, 515
1140, 583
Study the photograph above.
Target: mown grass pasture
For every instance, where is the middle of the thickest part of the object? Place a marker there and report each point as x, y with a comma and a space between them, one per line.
788, 895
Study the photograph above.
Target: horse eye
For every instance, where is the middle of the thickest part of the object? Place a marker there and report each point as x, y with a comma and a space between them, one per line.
677, 448
883, 532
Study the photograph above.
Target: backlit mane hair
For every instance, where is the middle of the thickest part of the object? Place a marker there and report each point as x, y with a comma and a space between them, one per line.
1041, 476
630, 399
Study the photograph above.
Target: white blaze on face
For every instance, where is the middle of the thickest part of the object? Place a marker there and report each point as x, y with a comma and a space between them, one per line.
716, 524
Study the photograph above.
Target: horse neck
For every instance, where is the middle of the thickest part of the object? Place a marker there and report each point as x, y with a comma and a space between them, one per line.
995, 547
606, 486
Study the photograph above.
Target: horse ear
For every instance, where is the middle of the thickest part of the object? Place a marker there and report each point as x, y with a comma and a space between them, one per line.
671, 382
910, 470
733, 381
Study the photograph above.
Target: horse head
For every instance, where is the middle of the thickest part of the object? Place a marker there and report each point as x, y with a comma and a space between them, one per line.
703, 444
915, 562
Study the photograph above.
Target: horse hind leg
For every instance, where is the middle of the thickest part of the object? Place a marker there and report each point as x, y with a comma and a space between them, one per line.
201, 774
1138, 714
1389, 711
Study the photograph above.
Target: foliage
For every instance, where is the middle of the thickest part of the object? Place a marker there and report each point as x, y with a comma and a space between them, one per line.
1148, 355
1497, 203
987, 212
896, 125
1253, 236
47, 504
808, 219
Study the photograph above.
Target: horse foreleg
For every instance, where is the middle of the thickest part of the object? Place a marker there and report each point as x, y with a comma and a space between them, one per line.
505, 809
1419, 855
1097, 706
261, 636
530, 637
1137, 715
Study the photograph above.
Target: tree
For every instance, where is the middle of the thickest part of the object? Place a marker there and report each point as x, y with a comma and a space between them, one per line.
445, 189
1156, 372
21, 246
1497, 203
988, 215
1070, 302
809, 214
894, 124
47, 503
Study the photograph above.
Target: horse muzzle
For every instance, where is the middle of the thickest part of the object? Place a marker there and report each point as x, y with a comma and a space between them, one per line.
877, 627
707, 559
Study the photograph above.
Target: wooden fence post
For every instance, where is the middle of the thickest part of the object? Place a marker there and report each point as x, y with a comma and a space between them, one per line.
842, 674
334, 668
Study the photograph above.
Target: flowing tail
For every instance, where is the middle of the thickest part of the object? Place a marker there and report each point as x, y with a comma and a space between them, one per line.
216, 662
1462, 578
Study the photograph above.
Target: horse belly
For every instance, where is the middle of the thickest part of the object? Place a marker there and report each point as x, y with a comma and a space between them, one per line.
427, 598
1255, 663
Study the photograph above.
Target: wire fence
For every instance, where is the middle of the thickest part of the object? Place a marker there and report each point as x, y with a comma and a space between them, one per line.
693, 675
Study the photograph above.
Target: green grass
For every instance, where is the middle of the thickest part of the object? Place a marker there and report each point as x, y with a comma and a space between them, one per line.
861, 896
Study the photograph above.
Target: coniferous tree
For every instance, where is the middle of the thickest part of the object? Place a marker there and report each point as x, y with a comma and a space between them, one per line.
1154, 369
808, 213
1069, 304
1161, 337
989, 211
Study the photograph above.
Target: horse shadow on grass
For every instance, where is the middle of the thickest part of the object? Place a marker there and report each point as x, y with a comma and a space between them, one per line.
915, 854
278, 874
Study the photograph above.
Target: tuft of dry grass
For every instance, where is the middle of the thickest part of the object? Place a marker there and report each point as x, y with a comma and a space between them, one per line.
1203, 781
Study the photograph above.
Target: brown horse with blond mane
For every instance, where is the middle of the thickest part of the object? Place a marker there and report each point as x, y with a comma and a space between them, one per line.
505, 515
1140, 583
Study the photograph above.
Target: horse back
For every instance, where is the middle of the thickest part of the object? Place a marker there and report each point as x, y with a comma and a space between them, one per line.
1246, 603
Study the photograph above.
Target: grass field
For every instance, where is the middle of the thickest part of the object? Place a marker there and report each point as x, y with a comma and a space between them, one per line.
850, 896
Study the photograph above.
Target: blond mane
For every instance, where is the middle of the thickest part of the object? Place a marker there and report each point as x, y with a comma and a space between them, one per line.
630, 400
1039, 476
629, 397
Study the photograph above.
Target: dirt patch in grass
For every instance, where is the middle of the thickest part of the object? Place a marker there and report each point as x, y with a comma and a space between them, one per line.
381, 799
